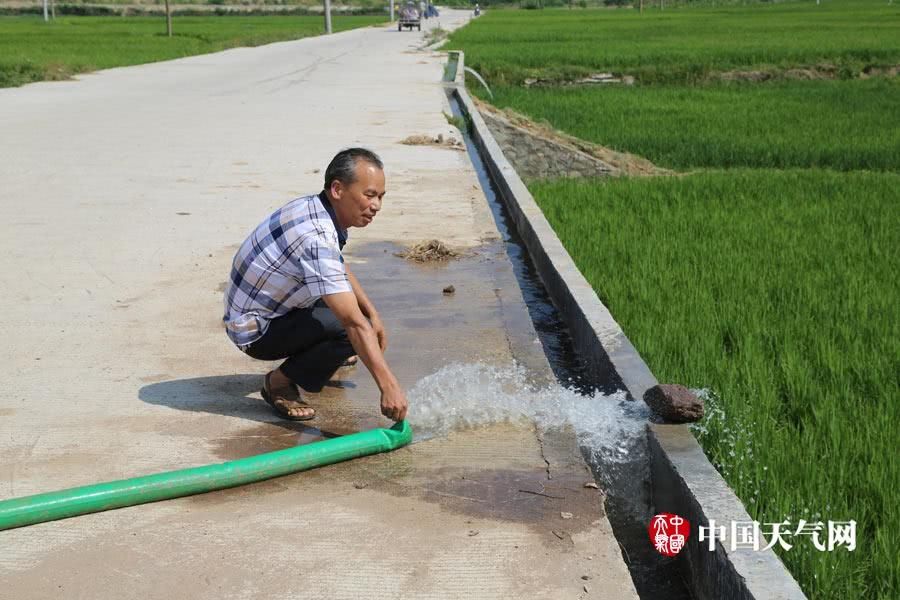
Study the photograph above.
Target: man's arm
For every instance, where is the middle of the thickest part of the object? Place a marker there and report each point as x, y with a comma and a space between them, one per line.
347, 309
367, 308
365, 305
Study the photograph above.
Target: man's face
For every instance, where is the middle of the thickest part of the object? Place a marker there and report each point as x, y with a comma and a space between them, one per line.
357, 204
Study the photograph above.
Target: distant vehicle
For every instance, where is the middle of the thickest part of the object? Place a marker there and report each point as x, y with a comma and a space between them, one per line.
410, 17
477, 10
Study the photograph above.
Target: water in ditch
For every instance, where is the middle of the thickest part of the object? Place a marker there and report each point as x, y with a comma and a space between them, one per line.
610, 428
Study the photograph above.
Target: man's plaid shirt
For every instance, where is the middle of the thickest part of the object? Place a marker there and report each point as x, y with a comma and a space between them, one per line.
291, 259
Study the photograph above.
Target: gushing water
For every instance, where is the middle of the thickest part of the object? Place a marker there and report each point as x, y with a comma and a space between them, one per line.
461, 396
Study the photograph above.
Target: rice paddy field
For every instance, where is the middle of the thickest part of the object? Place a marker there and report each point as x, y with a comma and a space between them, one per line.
764, 271
839, 124
682, 45
31, 50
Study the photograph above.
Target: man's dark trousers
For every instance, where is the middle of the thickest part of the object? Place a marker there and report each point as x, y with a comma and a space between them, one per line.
312, 340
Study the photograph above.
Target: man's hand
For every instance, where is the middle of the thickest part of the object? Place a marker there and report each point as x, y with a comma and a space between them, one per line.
394, 404
380, 333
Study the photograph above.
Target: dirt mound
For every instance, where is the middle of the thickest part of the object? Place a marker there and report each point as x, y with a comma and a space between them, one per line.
751, 76
759, 75
806, 73
880, 72
627, 164
592, 79
430, 251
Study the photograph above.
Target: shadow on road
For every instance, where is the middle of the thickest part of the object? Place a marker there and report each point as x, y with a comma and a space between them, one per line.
226, 395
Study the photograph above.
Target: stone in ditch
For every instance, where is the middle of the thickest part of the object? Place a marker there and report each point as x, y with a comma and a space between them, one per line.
674, 403
449, 290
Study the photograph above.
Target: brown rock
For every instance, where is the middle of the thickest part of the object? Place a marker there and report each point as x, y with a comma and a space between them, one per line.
674, 403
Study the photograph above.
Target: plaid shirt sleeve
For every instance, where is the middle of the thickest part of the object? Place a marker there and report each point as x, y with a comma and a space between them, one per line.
322, 267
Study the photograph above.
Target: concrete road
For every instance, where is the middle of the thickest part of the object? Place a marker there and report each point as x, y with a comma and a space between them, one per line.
124, 195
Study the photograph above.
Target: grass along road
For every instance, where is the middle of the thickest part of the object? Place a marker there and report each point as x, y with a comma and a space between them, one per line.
31, 50
841, 125
680, 46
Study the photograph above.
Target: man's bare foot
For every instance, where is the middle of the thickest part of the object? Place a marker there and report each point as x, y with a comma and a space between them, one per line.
351, 361
282, 395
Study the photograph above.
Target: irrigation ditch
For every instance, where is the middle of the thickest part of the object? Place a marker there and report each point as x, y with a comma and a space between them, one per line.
666, 470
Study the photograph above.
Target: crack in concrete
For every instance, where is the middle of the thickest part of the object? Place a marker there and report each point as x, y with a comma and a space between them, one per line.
509, 343
540, 440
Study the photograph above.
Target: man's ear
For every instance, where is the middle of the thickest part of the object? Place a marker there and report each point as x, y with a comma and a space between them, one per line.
337, 188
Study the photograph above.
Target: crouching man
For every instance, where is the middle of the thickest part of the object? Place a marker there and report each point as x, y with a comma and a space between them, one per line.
291, 296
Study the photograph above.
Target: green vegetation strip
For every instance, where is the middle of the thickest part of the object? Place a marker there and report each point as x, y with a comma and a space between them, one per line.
31, 50
18, 512
842, 125
777, 291
677, 46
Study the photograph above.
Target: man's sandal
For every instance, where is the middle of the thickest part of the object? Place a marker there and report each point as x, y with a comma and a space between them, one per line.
290, 394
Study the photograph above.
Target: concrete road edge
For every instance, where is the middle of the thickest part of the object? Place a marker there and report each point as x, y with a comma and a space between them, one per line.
683, 480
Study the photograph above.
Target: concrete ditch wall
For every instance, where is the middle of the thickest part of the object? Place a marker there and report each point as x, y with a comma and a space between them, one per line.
683, 481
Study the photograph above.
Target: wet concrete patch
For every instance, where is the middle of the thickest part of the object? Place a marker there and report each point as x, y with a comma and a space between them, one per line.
555, 508
264, 438
485, 320
269, 437
455, 474
522, 496
482, 320
423, 322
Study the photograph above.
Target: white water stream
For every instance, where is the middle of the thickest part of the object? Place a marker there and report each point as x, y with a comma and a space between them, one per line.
461, 396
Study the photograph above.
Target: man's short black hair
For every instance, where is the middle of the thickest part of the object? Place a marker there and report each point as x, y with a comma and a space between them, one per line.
343, 166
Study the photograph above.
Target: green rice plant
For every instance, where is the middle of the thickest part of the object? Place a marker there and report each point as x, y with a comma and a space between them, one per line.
837, 124
777, 292
681, 45
31, 50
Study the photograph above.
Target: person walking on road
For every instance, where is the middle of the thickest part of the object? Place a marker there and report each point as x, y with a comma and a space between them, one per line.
291, 296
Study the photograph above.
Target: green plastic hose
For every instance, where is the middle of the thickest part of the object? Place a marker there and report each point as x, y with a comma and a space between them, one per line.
28, 510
